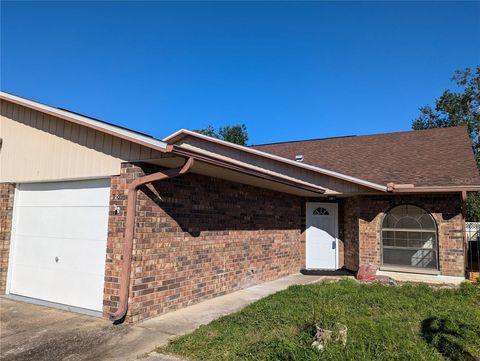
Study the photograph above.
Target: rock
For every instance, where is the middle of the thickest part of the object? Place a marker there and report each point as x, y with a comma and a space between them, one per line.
367, 272
319, 346
341, 332
385, 280
323, 336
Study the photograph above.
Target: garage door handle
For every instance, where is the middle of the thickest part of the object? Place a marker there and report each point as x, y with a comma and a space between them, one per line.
57, 259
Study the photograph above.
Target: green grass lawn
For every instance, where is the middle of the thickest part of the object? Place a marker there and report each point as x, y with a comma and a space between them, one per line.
408, 322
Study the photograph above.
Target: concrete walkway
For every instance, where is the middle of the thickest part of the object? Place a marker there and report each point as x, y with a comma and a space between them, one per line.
62, 335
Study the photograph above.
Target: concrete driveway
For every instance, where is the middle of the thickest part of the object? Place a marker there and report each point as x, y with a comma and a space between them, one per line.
31, 332
37, 333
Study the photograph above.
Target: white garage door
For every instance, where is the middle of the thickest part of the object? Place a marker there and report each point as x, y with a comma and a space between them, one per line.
59, 245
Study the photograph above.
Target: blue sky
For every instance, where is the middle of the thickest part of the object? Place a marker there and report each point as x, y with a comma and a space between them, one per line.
288, 71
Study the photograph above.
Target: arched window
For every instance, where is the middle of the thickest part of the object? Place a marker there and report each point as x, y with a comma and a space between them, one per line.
409, 238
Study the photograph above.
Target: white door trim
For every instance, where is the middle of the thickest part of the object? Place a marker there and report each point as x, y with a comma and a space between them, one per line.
320, 204
13, 234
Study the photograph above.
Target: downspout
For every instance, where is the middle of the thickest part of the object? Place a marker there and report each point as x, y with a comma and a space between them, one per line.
130, 229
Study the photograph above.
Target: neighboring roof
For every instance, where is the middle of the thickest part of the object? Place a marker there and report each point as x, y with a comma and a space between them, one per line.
89, 122
440, 157
180, 134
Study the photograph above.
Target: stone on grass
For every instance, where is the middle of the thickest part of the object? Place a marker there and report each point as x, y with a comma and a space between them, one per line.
323, 336
385, 280
367, 272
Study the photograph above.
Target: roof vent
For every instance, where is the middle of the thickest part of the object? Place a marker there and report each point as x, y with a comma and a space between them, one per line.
299, 157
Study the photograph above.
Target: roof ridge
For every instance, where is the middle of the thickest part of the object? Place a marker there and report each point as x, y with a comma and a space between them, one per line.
305, 140
361, 136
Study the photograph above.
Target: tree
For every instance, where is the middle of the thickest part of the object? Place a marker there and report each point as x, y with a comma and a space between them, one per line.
231, 133
235, 134
209, 130
458, 108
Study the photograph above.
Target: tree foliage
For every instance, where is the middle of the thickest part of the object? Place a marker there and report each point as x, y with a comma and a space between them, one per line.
473, 207
231, 133
460, 107
209, 130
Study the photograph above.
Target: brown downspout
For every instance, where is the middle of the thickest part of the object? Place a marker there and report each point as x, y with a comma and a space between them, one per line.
130, 228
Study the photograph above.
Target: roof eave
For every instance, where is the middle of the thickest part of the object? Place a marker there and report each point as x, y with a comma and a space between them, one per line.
119, 132
244, 169
182, 133
438, 189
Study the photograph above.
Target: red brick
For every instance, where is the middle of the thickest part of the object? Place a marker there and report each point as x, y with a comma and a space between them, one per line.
206, 237
7, 192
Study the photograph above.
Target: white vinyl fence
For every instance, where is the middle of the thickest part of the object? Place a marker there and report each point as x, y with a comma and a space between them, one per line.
473, 231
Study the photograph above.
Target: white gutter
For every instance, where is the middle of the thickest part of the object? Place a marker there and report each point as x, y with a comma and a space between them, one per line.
184, 132
88, 122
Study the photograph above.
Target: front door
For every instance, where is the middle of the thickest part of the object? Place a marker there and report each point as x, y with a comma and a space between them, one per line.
322, 233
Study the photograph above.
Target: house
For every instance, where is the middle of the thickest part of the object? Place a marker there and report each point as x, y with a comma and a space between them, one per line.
105, 220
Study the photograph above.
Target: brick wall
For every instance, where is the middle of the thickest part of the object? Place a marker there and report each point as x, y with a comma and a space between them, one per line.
446, 210
350, 233
7, 192
205, 237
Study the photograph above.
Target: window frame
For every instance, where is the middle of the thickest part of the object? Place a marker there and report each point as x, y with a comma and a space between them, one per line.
436, 247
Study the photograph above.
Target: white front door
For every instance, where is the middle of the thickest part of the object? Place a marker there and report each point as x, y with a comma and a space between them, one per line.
322, 233
59, 242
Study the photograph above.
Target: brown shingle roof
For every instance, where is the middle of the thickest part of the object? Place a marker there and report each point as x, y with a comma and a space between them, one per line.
433, 157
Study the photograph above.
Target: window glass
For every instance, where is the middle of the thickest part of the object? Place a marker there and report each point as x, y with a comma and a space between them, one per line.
321, 212
409, 238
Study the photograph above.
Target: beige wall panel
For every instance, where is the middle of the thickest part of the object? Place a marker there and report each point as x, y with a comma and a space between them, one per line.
39, 147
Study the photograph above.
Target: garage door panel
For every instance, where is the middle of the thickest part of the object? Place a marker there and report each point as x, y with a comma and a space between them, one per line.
80, 290
41, 282
34, 220
60, 287
35, 251
91, 193
76, 222
82, 257
58, 254
60, 242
